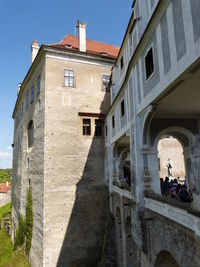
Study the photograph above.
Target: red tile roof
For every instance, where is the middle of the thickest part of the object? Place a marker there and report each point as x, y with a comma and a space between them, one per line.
4, 188
93, 47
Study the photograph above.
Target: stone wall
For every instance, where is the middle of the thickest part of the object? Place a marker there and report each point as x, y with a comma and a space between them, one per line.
165, 235
75, 195
4, 199
28, 163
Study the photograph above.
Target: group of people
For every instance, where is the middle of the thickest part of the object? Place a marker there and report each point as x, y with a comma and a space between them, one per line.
175, 190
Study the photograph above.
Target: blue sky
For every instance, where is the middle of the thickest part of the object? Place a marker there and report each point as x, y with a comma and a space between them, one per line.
48, 21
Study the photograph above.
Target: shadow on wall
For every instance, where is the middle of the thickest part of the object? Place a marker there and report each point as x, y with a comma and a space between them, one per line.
83, 242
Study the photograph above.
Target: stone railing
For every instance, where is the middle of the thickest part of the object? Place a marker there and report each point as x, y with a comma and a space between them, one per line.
182, 213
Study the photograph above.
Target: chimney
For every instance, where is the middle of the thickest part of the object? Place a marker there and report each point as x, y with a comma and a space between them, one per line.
19, 87
34, 50
81, 36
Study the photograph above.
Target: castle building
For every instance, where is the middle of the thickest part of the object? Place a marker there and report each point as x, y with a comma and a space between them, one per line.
88, 144
59, 150
154, 95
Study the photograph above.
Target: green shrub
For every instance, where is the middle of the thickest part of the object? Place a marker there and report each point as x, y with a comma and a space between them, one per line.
29, 221
20, 233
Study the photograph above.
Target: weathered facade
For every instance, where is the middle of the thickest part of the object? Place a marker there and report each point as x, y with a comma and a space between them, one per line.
59, 150
154, 95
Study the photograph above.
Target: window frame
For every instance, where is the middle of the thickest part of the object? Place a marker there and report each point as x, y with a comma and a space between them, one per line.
101, 125
85, 125
121, 62
124, 113
147, 51
113, 121
30, 135
70, 70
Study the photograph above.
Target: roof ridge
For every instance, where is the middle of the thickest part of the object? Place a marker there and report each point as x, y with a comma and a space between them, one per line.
67, 35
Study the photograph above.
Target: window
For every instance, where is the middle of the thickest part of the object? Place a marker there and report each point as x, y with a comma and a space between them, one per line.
98, 127
30, 134
32, 94
106, 130
113, 121
69, 78
122, 109
106, 81
27, 100
121, 63
86, 127
28, 163
149, 66
38, 85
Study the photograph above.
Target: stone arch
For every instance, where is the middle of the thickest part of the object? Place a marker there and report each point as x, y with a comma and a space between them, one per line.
146, 124
181, 134
184, 137
165, 259
119, 237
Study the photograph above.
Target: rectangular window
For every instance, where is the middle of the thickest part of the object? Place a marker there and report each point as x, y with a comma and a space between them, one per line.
32, 94
121, 63
69, 78
86, 127
122, 109
38, 85
149, 66
27, 100
106, 130
98, 127
105, 81
113, 121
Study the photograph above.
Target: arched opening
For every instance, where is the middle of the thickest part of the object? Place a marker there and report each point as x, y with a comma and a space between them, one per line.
174, 165
124, 169
119, 238
165, 259
30, 130
129, 244
171, 159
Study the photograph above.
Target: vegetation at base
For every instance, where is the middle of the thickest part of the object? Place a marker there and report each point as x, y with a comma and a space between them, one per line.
20, 233
29, 221
5, 175
4, 210
8, 257
25, 229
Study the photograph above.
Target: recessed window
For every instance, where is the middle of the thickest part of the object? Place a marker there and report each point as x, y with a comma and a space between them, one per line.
149, 65
69, 78
86, 126
113, 121
106, 130
105, 81
98, 127
38, 85
122, 108
27, 100
30, 130
121, 63
28, 163
32, 94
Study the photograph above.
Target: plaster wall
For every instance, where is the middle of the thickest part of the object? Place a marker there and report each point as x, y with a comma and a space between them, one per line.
74, 226
25, 174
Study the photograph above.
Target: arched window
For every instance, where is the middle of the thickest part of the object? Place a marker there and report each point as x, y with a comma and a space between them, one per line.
30, 134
